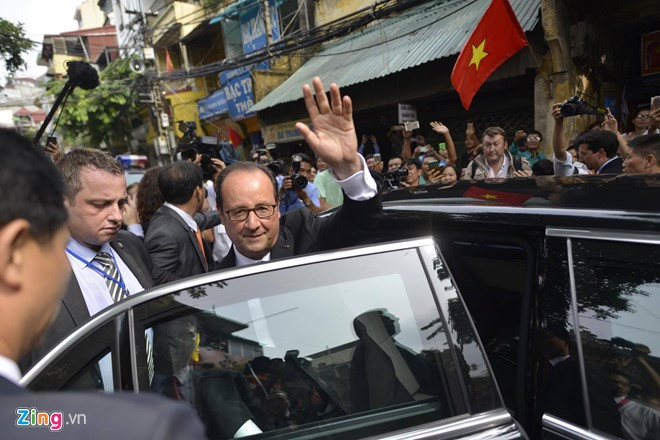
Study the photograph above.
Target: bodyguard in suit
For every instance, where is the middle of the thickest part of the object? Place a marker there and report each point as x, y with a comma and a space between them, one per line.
108, 264
247, 193
174, 239
598, 151
34, 271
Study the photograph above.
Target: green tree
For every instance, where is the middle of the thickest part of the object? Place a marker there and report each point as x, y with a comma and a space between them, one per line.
103, 114
13, 45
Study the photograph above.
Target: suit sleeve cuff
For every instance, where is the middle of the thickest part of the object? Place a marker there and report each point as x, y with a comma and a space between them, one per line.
360, 186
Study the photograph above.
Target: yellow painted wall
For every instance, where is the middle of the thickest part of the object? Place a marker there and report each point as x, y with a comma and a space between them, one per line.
330, 10
184, 108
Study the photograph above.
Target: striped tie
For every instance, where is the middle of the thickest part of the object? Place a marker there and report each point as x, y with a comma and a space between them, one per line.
108, 265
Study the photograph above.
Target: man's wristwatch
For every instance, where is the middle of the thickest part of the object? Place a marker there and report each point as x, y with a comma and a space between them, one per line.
308, 202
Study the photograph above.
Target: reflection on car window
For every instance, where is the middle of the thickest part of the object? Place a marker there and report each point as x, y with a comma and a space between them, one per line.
618, 291
296, 349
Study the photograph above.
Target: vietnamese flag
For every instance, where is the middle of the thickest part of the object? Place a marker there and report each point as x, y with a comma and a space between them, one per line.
502, 197
169, 67
496, 38
234, 137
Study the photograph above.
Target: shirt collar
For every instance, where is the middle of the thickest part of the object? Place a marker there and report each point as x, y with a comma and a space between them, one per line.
558, 359
9, 370
184, 215
84, 252
603, 165
505, 166
242, 260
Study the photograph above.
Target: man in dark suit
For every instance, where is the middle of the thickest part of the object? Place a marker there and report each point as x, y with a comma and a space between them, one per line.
174, 239
247, 193
597, 150
34, 271
108, 263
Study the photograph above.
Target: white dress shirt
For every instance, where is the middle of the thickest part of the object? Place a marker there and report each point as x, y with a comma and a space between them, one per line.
184, 215
92, 284
567, 167
360, 186
502, 172
9, 370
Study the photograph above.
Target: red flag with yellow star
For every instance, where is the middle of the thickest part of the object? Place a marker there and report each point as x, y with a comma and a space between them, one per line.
496, 38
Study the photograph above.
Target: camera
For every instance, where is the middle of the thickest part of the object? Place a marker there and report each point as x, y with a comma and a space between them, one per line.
393, 179
299, 181
276, 166
207, 146
575, 105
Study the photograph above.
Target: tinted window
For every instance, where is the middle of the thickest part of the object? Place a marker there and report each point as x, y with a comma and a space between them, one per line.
618, 292
299, 348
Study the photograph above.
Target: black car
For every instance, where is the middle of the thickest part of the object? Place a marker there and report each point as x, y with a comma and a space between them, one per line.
377, 341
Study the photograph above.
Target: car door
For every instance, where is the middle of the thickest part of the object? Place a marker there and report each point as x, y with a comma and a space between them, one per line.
366, 342
608, 305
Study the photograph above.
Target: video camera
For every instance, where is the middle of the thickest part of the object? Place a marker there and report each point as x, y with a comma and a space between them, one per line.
393, 179
207, 146
575, 105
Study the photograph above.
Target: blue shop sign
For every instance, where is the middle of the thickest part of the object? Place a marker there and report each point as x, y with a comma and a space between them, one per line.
253, 29
227, 75
240, 98
213, 105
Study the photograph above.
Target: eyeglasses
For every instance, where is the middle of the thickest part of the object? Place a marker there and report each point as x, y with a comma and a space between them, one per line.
643, 116
241, 214
533, 138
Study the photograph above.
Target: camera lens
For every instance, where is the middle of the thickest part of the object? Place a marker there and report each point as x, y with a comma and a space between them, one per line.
299, 182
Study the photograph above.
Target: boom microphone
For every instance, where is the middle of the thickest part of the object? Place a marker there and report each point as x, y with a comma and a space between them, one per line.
81, 75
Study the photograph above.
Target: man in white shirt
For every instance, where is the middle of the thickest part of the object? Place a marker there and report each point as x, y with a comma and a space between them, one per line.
108, 264
247, 193
34, 271
495, 159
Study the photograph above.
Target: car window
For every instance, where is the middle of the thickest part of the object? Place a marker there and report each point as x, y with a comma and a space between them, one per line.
618, 293
297, 349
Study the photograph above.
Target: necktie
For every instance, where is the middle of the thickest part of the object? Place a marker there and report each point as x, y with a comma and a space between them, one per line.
108, 265
198, 234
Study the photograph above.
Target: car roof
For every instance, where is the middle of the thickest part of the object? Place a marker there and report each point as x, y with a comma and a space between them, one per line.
579, 201
634, 193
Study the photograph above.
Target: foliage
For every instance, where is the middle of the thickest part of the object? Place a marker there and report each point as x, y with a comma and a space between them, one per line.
102, 114
13, 44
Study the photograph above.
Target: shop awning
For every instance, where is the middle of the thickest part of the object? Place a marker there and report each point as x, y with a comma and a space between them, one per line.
425, 33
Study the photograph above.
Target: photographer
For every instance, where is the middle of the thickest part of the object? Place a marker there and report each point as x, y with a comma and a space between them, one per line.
295, 190
562, 161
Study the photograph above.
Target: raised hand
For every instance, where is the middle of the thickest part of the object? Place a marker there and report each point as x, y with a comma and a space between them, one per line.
610, 123
333, 138
439, 127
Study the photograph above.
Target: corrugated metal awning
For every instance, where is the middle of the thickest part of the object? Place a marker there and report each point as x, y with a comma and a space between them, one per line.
425, 33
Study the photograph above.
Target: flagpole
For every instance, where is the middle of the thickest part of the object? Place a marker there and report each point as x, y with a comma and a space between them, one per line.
546, 80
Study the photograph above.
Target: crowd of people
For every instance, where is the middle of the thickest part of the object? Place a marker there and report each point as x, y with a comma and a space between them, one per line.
80, 218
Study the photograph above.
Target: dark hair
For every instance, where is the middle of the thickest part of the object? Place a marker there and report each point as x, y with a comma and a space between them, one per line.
537, 133
304, 158
543, 167
368, 156
248, 167
451, 166
177, 181
493, 131
32, 189
414, 162
75, 161
648, 144
149, 197
594, 124
595, 140
395, 157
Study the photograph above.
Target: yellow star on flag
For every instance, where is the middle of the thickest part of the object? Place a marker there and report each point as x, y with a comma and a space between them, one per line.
478, 54
490, 196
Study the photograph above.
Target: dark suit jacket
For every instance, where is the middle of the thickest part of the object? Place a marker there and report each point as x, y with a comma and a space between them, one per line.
73, 310
302, 232
614, 167
111, 417
173, 246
